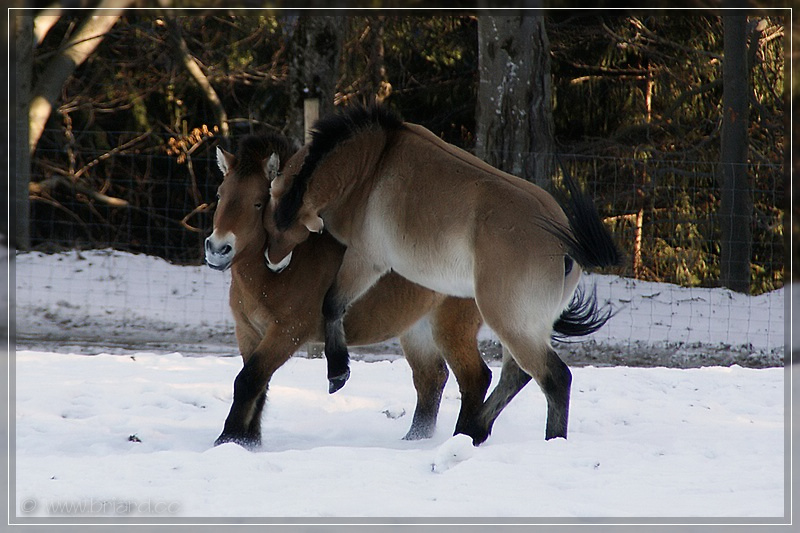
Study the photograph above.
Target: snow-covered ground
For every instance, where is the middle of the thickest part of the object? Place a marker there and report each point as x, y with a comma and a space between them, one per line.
128, 431
643, 443
110, 299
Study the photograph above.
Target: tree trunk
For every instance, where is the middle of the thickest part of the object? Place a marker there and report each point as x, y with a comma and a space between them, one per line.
19, 233
378, 80
315, 46
44, 22
736, 206
515, 115
61, 67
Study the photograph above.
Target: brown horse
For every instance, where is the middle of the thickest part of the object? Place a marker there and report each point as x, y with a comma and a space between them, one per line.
276, 314
403, 200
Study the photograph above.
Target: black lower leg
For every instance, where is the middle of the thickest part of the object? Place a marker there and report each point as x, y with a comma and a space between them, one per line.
556, 387
512, 380
473, 395
254, 428
429, 383
243, 424
336, 353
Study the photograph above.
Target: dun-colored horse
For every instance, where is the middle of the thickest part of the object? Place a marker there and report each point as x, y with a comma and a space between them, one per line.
276, 314
403, 200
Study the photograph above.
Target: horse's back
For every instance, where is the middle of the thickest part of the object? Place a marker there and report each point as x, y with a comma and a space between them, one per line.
447, 220
441, 201
467, 167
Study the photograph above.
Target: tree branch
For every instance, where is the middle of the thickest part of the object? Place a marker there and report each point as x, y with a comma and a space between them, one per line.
110, 153
181, 51
41, 187
691, 92
61, 67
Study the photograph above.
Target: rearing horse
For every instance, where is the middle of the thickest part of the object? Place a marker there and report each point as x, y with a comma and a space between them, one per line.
403, 200
275, 314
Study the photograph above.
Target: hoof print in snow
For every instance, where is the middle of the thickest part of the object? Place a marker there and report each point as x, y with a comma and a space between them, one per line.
394, 413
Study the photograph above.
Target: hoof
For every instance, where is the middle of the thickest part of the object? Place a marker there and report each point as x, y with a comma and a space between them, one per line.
336, 383
248, 443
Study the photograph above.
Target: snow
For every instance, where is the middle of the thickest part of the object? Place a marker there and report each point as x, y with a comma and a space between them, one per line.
136, 300
643, 442
125, 428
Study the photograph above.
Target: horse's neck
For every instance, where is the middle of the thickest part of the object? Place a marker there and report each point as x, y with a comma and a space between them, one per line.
348, 169
248, 267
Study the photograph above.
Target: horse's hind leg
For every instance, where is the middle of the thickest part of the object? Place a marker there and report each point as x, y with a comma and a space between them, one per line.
512, 380
520, 306
541, 362
556, 385
530, 348
455, 329
430, 375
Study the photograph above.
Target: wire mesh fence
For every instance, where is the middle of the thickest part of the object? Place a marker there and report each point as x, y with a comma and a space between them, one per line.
662, 212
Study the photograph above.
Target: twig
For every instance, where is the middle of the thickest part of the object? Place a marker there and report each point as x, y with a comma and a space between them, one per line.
110, 153
52, 182
202, 208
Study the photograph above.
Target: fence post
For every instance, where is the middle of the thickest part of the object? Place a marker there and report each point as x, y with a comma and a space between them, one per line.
736, 202
310, 115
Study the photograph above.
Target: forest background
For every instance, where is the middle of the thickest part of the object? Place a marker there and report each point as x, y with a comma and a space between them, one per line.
631, 102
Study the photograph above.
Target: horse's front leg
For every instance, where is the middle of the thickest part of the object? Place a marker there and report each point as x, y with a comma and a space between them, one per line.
356, 275
243, 424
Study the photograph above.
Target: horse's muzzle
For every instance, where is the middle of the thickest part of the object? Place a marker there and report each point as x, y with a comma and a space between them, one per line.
218, 255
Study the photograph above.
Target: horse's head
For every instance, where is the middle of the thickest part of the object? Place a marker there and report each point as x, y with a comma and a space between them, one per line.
242, 199
286, 233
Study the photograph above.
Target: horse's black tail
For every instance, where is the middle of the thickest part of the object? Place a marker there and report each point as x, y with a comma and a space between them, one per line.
581, 317
588, 241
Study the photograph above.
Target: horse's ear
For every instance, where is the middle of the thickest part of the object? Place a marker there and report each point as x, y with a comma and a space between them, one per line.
224, 160
272, 165
313, 223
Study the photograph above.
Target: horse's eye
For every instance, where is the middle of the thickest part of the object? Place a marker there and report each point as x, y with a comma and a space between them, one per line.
259, 205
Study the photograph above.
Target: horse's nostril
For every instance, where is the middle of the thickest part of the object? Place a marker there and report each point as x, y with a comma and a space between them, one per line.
214, 249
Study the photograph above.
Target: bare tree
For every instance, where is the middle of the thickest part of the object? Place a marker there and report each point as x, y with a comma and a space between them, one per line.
736, 205
514, 119
74, 52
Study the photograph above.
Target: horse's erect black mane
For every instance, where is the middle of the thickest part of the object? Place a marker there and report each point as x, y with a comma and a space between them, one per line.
328, 133
254, 149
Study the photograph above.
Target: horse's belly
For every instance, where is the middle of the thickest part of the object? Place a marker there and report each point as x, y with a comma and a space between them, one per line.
449, 274
450, 285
